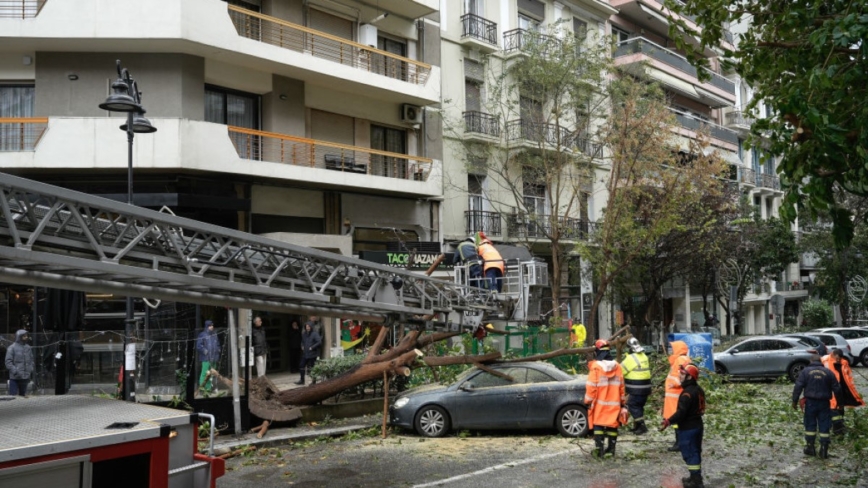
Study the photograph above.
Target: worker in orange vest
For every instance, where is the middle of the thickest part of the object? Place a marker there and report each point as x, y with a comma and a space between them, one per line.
492, 267
604, 392
672, 386
850, 397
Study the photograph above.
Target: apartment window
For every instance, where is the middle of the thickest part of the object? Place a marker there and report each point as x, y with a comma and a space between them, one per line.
388, 66
475, 7
534, 192
390, 140
619, 35
527, 23
235, 108
16, 101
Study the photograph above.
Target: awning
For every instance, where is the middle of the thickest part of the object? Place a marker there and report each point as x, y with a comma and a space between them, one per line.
673, 83
714, 101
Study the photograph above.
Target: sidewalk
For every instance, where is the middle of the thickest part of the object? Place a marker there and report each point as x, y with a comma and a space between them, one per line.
283, 435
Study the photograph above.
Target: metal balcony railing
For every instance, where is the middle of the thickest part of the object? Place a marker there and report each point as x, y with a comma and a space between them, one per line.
592, 149
748, 176
287, 35
20, 9
740, 118
716, 131
481, 123
540, 226
280, 148
768, 181
479, 28
660, 53
551, 134
522, 40
21, 134
480, 220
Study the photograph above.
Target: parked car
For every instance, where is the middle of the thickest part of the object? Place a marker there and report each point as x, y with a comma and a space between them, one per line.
834, 341
856, 337
540, 396
765, 356
817, 343
715, 334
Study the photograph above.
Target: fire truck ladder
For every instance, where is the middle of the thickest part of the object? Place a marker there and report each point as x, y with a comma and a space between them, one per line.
54, 237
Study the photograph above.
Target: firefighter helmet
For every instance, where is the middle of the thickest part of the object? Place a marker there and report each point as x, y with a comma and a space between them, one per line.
601, 345
690, 370
634, 345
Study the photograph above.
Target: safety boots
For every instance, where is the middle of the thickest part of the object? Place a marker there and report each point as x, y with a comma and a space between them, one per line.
674, 447
809, 450
824, 450
693, 481
598, 447
610, 449
639, 428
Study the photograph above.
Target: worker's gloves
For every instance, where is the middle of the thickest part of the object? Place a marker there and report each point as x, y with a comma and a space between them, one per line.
665, 424
623, 416
802, 403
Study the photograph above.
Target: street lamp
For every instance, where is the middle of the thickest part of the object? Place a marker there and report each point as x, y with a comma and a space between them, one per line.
127, 98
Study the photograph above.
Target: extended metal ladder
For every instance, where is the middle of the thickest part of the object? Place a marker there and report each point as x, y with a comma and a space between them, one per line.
54, 237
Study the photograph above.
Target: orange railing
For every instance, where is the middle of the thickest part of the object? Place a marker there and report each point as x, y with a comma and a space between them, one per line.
20, 9
280, 148
21, 134
287, 35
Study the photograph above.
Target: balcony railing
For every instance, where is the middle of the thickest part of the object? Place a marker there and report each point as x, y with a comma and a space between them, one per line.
748, 176
738, 117
479, 28
20, 9
716, 131
551, 134
21, 134
540, 226
592, 149
287, 35
280, 148
479, 220
522, 40
481, 123
768, 181
660, 53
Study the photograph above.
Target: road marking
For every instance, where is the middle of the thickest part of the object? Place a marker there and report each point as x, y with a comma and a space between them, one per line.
491, 469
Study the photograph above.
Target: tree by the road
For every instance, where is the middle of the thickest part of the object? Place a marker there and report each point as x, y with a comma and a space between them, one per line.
808, 62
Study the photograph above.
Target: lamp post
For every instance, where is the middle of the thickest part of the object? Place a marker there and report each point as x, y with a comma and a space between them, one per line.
127, 98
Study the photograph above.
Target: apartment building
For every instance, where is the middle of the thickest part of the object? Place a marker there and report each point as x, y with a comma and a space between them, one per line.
304, 121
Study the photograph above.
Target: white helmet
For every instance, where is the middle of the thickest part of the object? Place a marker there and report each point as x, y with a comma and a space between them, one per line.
634, 345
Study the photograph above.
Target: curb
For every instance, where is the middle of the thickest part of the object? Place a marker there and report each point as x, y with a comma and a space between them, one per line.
283, 436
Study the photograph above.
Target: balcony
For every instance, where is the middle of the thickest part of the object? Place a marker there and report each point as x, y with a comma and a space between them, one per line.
695, 124
479, 220
286, 35
717, 92
21, 134
520, 41
480, 123
527, 226
20, 9
747, 176
538, 133
770, 182
739, 120
478, 32
280, 148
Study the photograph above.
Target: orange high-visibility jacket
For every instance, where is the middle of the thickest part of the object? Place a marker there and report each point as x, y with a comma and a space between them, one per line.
605, 392
490, 256
673, 387
846, 381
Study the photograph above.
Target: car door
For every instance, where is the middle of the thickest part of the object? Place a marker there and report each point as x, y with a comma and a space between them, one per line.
487, 401
543, 398
776, 356
743, 357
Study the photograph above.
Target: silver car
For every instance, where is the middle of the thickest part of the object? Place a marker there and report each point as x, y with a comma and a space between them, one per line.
835, 341
765, 356
539, 396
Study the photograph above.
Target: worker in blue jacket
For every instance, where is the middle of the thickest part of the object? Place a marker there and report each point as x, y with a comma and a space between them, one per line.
818, 384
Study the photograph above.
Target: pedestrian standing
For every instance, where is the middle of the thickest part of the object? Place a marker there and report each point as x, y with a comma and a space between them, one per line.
19, 362
310, 344
604, 392
688, 416
850, 397
260, 348
672, 386
578, 334
294, 346
208, 347
637, 382
819, 386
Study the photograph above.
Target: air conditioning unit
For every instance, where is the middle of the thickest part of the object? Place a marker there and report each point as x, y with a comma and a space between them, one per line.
411, 114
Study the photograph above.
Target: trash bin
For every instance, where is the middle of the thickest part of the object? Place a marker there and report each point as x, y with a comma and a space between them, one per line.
699, 347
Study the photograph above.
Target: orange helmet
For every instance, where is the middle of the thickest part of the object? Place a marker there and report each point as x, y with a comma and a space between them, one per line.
690, 370
601, 344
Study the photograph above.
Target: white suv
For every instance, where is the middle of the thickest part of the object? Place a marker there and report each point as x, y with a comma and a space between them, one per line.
856, 337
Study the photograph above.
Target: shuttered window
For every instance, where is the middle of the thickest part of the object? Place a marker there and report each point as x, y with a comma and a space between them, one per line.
330, 24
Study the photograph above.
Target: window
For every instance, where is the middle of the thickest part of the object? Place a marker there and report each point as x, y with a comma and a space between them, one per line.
472, 95
390, 140
619, 35
527, 23
488, 380
16, 101
239, 109
534, 376
475, 7
475, 203
389, 66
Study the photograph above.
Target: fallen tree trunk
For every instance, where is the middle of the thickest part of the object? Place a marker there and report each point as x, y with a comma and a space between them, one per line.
448, 360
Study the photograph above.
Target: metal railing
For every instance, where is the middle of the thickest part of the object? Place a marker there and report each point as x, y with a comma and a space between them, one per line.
481, 123
739, 117
517, 40
480, 220
748, 176
479, 28
660, 53
21, 134
20, 9
540, 226
538, 132
716, 131
768, 181
280, 148
280, 33
593, 149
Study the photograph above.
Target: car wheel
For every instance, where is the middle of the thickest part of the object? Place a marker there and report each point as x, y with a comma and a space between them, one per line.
863, 358
572, 421
432, 421
719, 368
794, 370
